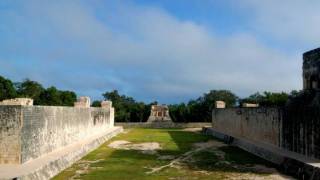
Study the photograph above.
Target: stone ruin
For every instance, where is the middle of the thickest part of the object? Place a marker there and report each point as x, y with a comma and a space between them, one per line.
159, 113
250, 105
17, 102
287, 136
37, 142
220, 104
83, 102
106, 104
311, 70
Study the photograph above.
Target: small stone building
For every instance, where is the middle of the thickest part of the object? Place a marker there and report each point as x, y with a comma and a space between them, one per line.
159, 113
311, 70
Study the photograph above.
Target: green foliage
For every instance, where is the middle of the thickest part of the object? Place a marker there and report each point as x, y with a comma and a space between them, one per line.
96, 104
50, 97
30, 89
126, 108
268, 99
7, 90
34, 90
54, 97
199, 110
68, 98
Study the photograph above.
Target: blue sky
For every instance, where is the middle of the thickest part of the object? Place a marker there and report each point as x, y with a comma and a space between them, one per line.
164, 50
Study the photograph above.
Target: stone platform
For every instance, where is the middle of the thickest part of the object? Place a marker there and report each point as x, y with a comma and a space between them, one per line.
291, 163
49, 165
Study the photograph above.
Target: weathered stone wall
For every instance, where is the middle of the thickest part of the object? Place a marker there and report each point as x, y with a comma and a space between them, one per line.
10, 125
311, 69
301, 123
255, 124
38, 130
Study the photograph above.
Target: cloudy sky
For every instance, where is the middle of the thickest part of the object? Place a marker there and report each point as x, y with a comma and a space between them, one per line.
163, 50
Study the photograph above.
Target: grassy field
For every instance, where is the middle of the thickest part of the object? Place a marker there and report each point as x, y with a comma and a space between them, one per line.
183, 155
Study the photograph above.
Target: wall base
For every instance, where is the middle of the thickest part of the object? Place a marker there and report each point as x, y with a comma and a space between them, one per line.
291, 163
49, 165
168, 124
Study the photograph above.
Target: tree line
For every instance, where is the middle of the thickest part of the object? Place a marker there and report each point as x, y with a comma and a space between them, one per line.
130, 110
50, 96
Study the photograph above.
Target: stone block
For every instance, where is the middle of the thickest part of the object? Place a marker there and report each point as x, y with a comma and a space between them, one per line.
17, 102
83, 102
250, 105
220, 104
106, 104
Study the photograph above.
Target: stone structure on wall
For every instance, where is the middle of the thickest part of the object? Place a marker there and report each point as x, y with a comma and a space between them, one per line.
250, 105
159, 113
106, 104
220, 104
18, 102
83, 102
311, 69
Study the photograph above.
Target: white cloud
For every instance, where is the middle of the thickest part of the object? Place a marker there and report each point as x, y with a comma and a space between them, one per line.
291, 20
151, 54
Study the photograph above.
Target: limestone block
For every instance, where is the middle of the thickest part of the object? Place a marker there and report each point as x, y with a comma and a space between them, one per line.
220, 104
83, 102
112, 117
250, 105
106, 104
18, 101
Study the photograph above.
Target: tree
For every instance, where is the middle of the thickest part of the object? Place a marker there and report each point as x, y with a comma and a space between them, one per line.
68, 98
178, 112
7, 90
122, 105
254, 98
220, 95
30, 89
96, 104
200, 110
127, 109
50, 97
268, 99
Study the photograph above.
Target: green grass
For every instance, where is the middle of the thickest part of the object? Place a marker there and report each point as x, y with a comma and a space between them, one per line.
132, 164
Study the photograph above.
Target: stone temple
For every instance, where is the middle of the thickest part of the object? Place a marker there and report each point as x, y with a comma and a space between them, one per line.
159, 113
311, 70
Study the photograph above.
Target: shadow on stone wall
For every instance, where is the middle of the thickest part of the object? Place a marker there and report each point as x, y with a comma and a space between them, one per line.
301, 124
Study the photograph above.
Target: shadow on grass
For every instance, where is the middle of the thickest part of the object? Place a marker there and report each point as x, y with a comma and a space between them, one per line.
235, 159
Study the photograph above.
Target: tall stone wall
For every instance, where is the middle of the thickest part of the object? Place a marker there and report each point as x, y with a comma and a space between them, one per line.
27, 132
255, 124
294, 127
10, 133
301, 123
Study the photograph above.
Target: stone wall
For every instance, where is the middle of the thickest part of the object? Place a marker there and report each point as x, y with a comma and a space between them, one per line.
301, 123
10, 133
255, 124
164, 125
311, 69
27, 132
